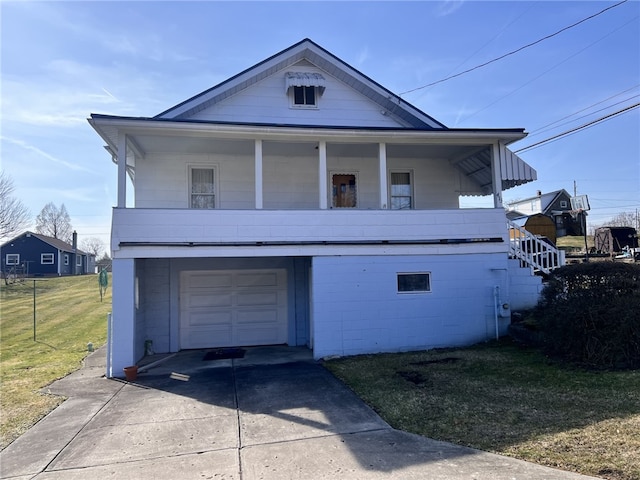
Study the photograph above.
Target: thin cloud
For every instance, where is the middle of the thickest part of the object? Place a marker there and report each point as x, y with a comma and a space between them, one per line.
448, 7
31, 148
363, 56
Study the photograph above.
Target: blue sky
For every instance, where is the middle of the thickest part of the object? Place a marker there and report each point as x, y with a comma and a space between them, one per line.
61, 61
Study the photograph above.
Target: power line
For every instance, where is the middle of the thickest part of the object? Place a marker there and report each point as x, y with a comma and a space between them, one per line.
540, 131
583, 109
548, 70
581, 127
515, 51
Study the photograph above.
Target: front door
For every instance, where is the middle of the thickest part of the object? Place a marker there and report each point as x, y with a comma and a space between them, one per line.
344, 190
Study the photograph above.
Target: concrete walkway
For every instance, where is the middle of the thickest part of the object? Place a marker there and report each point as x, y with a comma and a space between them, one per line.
234, 419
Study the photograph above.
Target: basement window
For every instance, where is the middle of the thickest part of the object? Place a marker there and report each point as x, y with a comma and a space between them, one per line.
414, 282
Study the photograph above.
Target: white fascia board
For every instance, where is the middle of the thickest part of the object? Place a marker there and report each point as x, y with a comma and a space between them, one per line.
152, 127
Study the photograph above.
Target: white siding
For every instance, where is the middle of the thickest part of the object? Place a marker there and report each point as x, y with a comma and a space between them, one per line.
155, 297
435, 182
356, 308
267, 102
291, 183
162, 180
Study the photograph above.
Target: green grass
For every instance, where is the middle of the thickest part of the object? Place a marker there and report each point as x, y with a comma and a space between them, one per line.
574, 243
69, 314
508, 400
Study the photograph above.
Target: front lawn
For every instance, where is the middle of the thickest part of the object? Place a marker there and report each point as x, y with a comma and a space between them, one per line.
502, 398
69, 315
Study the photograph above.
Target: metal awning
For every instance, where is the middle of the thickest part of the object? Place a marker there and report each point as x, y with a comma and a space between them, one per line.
304, 79
514, 170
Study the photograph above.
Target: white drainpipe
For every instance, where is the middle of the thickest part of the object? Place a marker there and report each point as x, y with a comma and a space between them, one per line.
496, 306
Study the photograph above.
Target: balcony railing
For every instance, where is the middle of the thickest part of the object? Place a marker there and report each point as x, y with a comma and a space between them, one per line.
186, 227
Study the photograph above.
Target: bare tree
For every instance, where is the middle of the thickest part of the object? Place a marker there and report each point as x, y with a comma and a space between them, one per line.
14, 216
623, 219
93, 245
55, 222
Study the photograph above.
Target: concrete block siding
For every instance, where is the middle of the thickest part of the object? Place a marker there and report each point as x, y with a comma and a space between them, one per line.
357, 309
525, 288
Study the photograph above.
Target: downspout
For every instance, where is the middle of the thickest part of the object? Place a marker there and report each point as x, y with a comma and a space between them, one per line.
496, 302
109, 346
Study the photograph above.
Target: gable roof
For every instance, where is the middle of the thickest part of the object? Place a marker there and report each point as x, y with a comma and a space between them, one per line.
474, 145
323, 59
546, 199
54, 242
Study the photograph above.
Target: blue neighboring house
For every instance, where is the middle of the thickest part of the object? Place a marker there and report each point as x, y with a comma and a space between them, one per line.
33, 254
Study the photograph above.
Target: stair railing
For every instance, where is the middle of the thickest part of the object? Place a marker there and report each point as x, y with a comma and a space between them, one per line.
532, 251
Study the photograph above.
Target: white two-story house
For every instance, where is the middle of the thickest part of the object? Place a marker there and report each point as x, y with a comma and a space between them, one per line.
299, 202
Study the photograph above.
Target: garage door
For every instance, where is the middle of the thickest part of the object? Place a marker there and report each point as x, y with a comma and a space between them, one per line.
225, 308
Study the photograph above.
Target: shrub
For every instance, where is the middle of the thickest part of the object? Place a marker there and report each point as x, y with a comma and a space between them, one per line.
590, 314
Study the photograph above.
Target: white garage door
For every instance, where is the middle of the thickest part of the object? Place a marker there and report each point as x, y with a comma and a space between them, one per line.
222, 308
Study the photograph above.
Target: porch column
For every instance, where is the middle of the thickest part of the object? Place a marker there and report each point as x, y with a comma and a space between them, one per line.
122, 334
122, 170
497, 159
322, 174
258, 158
382, 160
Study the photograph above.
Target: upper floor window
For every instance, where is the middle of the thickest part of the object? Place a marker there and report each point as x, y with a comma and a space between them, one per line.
304, 96
46, 258
564, 204
12, 259
304, 88
202, 188
401, 191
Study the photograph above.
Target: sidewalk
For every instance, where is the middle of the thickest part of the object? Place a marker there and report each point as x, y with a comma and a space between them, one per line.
193, 419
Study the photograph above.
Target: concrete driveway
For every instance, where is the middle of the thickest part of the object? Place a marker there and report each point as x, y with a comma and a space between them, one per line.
279, 416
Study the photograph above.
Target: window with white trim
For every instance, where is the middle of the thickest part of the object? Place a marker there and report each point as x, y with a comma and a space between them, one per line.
66, 259
401, 191
304, 96
564, 204
12, 259
78, 260
202, 187
46, 258
419, 282
304, 88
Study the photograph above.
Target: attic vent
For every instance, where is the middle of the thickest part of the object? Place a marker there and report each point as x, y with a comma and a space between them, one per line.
304, 79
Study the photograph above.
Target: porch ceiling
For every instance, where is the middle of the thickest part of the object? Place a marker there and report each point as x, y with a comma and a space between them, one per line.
196, 145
